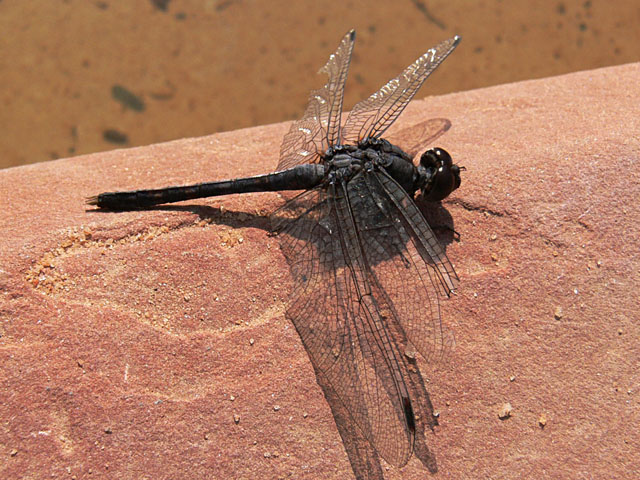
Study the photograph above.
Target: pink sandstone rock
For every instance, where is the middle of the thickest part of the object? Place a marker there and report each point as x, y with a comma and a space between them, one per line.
153, 344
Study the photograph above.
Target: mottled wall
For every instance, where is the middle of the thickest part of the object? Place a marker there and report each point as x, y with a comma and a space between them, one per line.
80, 76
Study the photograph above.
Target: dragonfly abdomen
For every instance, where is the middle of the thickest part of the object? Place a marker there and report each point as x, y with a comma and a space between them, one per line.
300, 177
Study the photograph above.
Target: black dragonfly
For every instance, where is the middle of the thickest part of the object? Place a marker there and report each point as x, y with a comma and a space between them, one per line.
368, 270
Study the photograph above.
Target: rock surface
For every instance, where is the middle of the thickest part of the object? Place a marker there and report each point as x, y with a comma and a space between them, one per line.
153, 344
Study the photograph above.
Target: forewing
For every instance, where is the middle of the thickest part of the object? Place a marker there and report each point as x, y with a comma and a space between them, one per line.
407, 262
408, 271
371, 117
319, 127
340, 322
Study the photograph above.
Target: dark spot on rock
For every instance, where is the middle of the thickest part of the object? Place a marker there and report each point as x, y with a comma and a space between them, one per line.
114, 136
127, 98
422, 8
161, 4
223, 5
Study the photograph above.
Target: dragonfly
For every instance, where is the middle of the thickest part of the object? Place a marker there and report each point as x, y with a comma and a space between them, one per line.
368, 271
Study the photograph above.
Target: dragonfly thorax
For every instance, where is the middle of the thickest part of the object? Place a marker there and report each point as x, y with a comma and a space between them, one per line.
342, 164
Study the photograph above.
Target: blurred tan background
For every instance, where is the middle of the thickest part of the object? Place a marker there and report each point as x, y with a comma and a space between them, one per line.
80, 76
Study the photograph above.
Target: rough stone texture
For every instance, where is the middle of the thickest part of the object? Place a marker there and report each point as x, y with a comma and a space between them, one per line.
152, 344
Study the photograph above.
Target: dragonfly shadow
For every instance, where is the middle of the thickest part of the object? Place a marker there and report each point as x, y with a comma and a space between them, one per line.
440, 221
436, 214
416, 138
217, 215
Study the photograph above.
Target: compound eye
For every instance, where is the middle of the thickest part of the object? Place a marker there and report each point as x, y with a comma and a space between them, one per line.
430, 159
443, 156
445, 177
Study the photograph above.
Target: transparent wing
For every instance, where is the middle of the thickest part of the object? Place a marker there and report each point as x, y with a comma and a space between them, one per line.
371, 117
365, 461
319, 127
341, 319
406, 260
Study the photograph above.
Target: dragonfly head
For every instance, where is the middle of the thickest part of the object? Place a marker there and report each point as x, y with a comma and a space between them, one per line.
443, 176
